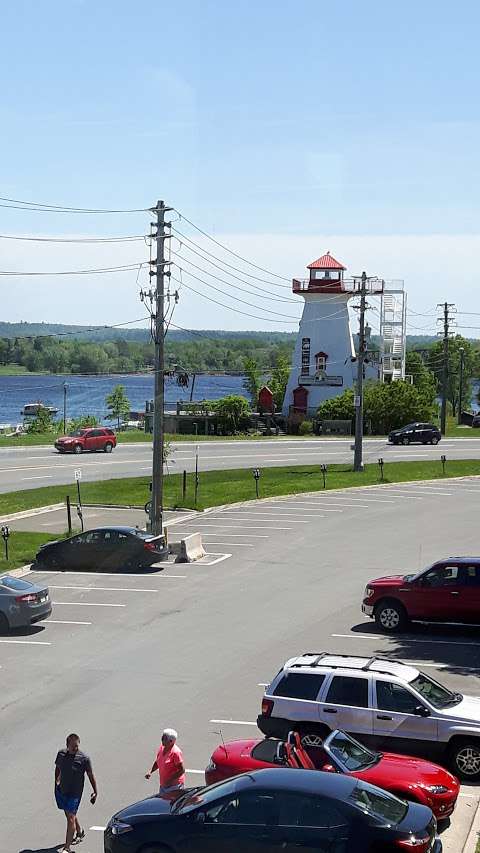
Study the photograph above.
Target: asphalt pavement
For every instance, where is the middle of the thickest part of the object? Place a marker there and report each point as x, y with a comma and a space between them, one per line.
30, 467
191, 646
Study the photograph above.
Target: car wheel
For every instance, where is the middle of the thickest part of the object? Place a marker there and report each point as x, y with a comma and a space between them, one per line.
108, 447
405, 440
4, 626
390, 616
434, 440
465, 759
78, 448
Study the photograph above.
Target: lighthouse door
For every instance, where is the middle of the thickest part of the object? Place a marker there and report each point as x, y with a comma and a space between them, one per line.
300, 400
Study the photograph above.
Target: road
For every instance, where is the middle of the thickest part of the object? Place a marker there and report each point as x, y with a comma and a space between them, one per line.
30, 467
190, 646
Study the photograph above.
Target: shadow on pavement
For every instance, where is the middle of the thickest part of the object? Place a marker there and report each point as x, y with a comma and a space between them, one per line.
455, 647
27, 631
54, 849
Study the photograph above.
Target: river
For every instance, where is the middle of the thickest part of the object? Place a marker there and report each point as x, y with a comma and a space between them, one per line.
86, 394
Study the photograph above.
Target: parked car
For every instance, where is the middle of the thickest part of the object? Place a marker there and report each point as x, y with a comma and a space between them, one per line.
22, 603
88, 439
447, 591
104, 548
407, 777
277, 809
419, 433
386, 704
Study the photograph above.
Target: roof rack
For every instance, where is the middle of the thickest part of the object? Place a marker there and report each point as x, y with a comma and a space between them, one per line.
319, 656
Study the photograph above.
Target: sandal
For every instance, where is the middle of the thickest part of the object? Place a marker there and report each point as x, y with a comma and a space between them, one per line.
79, 836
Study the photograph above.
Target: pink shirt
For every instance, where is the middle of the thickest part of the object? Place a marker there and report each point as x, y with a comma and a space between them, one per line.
168, 763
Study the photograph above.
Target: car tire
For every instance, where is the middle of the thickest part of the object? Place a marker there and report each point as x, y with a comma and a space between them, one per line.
4, 624
405, 440
108, 447
390, 616
434, 440
78, 448
464, 759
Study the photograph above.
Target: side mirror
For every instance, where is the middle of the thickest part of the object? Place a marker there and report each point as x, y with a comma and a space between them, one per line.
200, 817
421, 711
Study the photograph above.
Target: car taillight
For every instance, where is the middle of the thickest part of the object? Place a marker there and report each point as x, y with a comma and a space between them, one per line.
419, 843
149, 546
267, 707
24, 599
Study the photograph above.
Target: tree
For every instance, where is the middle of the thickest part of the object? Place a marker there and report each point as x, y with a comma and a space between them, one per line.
233, 412
435, 363
279, 379
118, 404
386, 406
423, 378
42, 422
82, 422
253, 379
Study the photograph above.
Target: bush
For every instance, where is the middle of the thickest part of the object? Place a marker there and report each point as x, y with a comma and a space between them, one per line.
386, 406
305, 428
82, 422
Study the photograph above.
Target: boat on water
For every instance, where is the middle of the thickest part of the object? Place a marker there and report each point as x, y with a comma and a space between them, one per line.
31, 410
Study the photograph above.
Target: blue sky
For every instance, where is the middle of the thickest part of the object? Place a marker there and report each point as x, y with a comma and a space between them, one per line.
284, 129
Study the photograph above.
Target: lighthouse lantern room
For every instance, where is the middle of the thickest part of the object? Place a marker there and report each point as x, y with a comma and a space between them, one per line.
323, 360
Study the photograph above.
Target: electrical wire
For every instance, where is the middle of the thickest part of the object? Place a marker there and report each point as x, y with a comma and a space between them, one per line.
61, 208
235, 310
128, 239
78, 331
227, 249
94, 271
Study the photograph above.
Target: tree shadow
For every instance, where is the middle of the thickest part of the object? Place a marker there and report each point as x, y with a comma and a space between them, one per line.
456, 648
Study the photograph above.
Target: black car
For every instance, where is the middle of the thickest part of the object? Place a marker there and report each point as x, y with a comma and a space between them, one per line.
416, 432
271, 810
103, 549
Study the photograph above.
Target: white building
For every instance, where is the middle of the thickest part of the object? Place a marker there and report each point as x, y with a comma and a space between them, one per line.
324, 357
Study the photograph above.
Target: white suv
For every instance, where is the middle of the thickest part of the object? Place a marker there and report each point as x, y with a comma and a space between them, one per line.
385, 704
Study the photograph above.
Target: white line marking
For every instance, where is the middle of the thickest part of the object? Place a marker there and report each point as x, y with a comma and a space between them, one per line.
234, 722
262, 684
233, 544
97, 828
86, 604
197, 772
335, 503
433, 641
229, 533
218, 560
153, 575
104, 588
26, 642
60, 622
270, 517
39, 477
241, 527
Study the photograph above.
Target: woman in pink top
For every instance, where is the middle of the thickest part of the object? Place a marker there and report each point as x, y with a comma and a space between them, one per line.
169, 763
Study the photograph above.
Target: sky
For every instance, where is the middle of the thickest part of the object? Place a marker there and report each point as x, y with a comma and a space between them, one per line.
282, 131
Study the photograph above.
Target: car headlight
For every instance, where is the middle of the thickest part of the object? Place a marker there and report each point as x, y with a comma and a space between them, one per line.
437, 789
369, 591
119, 827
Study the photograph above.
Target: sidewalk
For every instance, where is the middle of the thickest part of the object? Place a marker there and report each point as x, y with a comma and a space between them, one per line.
462, 834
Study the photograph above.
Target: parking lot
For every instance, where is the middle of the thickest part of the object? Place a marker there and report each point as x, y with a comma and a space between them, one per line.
191, 645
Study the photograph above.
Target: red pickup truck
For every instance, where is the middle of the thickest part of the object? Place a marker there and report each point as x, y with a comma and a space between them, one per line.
90, 438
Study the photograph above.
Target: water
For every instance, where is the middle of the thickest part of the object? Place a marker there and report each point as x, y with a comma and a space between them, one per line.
86, 394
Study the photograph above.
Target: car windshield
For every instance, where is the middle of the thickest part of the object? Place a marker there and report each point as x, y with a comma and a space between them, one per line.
434, 693
195, 797
78, 432
379, 804
349, 753
15, 583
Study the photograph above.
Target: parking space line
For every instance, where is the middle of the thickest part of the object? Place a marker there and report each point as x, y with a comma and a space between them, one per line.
241, 527
335, 503
247, 535
97, 828
270, 517
104, 588
60, 622
220, 559
234, 722
234, 544
433, 641
86, 604
26, 642
196, 772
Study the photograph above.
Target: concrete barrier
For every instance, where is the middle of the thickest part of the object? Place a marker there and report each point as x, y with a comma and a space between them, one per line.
191, 548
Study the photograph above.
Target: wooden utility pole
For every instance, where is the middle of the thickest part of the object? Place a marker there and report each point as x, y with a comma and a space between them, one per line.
358, 453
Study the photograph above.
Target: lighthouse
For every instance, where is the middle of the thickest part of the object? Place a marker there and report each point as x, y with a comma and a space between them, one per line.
323, 360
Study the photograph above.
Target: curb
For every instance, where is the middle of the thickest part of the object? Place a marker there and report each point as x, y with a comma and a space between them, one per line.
474, 833
26, 513
19, 573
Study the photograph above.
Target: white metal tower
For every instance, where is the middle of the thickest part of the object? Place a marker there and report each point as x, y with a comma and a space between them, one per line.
393, 331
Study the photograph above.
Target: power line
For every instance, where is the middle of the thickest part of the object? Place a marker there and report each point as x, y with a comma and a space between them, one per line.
230, 308
127, 239
94, 271
62, 208
226, 249
77, 331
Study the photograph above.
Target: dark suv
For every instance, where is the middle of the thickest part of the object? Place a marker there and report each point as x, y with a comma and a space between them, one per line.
416, 432
90, 438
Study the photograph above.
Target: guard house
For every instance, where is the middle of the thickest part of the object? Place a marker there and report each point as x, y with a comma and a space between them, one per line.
324, 357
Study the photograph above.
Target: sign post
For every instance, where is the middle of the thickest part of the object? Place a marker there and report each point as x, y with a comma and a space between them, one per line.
256, 476
78, 477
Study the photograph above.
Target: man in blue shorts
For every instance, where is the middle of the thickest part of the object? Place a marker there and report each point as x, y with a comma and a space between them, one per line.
70, 767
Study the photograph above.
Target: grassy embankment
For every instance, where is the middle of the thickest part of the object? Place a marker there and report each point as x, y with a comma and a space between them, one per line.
218, 487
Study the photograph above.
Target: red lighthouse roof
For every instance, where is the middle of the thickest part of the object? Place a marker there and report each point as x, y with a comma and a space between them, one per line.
326, 262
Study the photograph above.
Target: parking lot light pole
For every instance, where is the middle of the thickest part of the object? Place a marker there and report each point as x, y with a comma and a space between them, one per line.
65, 387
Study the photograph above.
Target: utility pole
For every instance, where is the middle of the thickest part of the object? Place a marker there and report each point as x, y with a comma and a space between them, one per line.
358, 454
460, 389
446, 308
156, 508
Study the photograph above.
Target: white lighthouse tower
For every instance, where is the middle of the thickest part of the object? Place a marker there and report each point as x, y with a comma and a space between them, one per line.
323, 360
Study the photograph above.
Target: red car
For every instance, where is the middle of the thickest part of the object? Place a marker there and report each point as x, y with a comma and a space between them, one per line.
410, 778
90, 438
447, 591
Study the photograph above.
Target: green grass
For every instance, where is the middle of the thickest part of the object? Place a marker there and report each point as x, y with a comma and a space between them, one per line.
22, 547
18, 370
219, 487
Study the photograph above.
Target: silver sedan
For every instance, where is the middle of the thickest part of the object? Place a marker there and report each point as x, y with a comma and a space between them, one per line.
22, 603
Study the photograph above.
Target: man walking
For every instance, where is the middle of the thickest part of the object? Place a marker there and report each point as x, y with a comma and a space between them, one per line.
169, 763
70, 767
